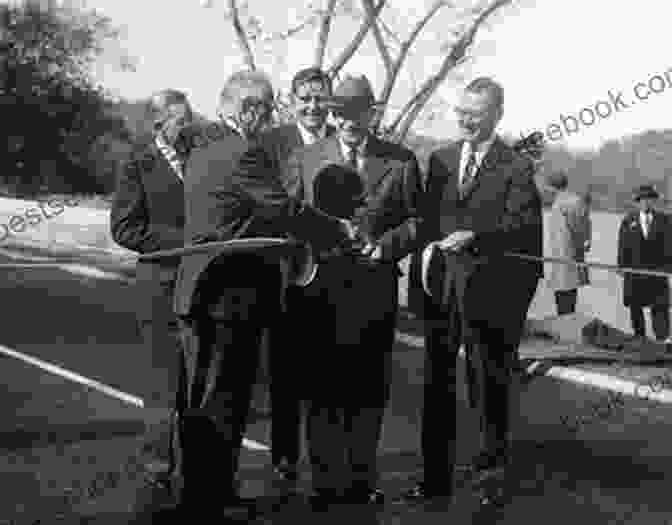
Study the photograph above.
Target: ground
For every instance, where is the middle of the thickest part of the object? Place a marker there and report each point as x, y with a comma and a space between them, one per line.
68, 451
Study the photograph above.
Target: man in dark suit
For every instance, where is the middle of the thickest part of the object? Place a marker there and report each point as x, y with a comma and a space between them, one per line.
481, 202
311, 89
225, 302
644, 242
148, 215
350, 308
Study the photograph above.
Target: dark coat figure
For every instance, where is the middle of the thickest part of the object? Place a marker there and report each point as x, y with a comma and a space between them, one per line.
148, 215
348, 313
479, 297
226, 301
286, 415
651, 252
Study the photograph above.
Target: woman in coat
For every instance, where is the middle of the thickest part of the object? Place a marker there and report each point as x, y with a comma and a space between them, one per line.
569, 231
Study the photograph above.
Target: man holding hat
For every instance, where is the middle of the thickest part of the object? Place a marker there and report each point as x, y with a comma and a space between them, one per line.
351, 306
644, 242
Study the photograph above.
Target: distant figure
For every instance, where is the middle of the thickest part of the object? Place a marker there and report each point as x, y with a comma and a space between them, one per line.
569, 231
644, 242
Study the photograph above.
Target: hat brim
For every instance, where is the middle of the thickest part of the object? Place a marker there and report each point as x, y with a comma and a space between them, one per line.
646, 195
352, 104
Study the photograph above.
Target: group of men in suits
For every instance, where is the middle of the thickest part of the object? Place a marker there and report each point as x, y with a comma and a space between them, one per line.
361, 205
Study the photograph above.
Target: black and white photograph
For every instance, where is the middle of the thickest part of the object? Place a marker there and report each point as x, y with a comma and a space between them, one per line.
377, 262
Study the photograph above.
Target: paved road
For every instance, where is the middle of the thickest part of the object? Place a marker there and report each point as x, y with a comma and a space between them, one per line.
65, 445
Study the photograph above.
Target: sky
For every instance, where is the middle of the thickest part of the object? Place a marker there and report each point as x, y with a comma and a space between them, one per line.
553, 59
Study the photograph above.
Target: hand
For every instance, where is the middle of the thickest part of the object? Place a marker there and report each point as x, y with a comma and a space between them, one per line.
349, 229
376, 254
368, 249
456, 241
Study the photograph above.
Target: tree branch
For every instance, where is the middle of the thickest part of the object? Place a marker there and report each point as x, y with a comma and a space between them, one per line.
241, 37
371, 17
455, 57
405, 48
323, 33
350, 50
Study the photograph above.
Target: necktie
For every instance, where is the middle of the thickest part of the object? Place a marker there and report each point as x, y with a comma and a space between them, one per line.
469, 173
647, 223
173, 158
351, 158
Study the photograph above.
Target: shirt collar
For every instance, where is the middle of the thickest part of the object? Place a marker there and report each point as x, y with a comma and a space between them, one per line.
361, 147
481, 150
161, 143
234, 126
309, 137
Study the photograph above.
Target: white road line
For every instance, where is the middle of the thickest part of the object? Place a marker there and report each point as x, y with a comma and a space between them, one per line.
72, 376
100, 387
577, 375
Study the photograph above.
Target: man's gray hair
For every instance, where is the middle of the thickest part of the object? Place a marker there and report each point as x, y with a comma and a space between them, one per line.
494, 89
241, 85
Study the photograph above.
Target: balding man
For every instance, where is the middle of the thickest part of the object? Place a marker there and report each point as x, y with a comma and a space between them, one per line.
226, 301
481, 202
148, 215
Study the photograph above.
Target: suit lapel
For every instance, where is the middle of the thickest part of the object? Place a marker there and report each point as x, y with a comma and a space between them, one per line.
164, 166
376, 165
327, 152
492, 160
451, 182
653, 227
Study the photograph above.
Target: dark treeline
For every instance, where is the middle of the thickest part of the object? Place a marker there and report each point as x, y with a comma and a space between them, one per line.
53, 116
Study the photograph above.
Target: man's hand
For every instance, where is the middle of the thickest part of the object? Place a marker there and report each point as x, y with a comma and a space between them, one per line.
457, 241
349, 229
373, 252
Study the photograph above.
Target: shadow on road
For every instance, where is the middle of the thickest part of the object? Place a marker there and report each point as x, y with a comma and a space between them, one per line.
65, 434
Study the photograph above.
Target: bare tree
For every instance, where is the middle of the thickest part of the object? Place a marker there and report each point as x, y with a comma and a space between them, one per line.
393, 49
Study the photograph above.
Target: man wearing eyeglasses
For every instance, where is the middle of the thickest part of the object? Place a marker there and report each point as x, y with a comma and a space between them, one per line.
350, 308
311, 88
481, 202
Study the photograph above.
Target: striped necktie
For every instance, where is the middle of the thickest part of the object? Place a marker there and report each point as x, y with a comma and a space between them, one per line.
173, 157
469, 174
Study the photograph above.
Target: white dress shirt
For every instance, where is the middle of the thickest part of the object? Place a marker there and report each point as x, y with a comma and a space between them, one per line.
361, 152
171, 155
308, 137
481, 151
646, 224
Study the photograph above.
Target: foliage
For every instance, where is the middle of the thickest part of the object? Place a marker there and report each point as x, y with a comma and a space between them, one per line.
394, 45
54, 117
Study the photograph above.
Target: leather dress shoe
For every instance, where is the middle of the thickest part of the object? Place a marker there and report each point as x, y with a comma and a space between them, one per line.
285, 472
421, 493
366, 497
488, 466
322, 500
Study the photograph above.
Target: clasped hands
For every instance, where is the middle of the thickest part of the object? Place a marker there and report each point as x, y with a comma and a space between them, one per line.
455, 242
354, 235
